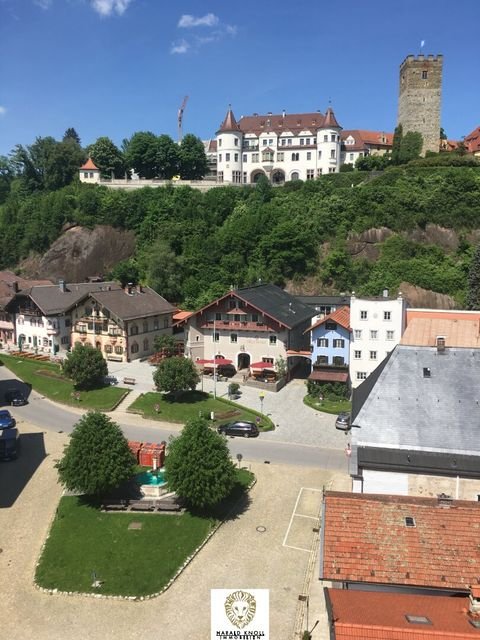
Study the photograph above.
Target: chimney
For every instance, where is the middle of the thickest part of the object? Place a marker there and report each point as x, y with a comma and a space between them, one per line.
62, 286
440, 343
15, 286
284, 113
474, 600
444, 500
385, 293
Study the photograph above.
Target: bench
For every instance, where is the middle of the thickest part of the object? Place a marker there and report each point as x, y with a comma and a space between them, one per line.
142, 505
129, 381
115, 505
168, 505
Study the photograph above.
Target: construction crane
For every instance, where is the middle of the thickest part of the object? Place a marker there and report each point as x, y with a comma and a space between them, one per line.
180, 118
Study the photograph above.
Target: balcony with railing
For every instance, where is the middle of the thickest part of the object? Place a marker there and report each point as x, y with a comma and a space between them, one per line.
230, 325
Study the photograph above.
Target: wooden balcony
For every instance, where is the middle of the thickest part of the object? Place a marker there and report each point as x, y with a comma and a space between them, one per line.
231, 325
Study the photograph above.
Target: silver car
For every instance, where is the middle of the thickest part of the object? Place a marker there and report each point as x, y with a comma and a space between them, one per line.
343, 421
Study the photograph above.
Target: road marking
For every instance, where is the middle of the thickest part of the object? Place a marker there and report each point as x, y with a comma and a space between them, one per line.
299, 515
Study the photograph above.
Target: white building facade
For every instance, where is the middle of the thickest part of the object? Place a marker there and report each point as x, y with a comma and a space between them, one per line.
282, 147
377, 325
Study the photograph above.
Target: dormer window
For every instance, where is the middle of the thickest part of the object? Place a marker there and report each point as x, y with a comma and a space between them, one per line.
427, 372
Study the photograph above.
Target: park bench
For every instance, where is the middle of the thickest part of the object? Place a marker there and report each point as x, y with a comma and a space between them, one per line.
168, 505
129, 381
115, 505
142, 505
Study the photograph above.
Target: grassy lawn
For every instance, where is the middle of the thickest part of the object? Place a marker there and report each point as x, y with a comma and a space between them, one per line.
327, 406
137, 562
46, 378
189, 406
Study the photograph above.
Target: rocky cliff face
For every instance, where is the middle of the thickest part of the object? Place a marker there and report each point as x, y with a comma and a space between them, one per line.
80, 253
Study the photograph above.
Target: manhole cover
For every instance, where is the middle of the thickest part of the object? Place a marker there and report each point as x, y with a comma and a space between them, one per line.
135, 525
261, 529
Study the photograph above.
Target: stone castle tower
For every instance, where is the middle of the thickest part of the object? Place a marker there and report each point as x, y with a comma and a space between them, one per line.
419, 98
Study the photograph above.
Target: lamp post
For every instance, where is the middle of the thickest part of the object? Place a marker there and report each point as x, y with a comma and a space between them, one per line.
261, 396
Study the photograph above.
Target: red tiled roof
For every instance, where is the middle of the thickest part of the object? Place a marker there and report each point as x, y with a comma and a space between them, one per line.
329, 376
458, 332
341, 316
365, 615
89, 165
229, 123
472, 141
330, 119
364, 138
366, 540
181, 315
278, 123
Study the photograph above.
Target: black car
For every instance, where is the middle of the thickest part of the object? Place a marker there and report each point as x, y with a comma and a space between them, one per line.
239, 428
15, 397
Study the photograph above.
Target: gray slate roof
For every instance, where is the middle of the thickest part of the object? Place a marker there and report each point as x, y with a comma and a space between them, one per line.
276, 303
404, 409
52, 300
137, 305
321, 301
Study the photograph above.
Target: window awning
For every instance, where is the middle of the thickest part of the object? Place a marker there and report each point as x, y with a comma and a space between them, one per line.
262, 365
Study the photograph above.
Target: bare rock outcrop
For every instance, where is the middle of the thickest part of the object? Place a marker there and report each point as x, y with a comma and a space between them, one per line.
424, 298
80, 253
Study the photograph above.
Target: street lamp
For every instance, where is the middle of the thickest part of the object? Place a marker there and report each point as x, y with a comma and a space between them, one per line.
261, 396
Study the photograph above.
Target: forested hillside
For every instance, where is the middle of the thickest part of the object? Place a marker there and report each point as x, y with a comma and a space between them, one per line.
192, 246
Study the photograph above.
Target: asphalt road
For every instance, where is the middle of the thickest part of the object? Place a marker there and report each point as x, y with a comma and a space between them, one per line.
50, 416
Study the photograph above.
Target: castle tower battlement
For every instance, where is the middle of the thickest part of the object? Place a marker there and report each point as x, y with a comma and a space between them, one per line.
420, 89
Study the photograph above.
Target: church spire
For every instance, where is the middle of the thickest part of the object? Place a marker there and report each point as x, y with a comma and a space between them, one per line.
229, 123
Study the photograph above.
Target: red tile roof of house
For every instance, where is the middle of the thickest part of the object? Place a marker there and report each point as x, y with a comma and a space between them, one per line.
279, 123
330, 119
365, 539
367, 615
364, 138
472, 141
458, 332
341, 316
329, 376
89, 164
229, 123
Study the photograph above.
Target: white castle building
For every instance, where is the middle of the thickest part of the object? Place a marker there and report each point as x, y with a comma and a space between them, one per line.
281, 147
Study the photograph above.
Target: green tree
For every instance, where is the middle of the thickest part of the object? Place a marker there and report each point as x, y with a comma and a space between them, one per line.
125, 271
86, 366
142, 154
473, 287
193, 160
166, 343
163, 270
108, 157
346, 167
7, 173
97, 458
198, 465
71, 134
176, 375
410, 147
167, 157
397, 143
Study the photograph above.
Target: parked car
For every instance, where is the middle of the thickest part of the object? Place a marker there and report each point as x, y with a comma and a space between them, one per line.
7, 421
112, 380
343, 421
15, 397
239, 428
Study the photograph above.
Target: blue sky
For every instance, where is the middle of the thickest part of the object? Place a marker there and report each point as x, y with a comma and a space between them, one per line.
113, 67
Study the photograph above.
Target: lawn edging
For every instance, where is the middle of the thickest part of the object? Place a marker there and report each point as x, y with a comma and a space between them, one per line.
327, 406
149, 596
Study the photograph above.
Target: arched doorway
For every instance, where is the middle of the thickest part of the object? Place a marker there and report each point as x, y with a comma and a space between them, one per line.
278, 177
98, 346
255, 176
295, 176
243, 361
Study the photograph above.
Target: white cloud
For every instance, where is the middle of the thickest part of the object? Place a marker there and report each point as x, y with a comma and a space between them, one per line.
231, 30
187, 21
108, 7
3, 110
43, 4
182, 46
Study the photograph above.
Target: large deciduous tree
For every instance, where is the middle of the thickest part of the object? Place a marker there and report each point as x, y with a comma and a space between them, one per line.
198, 465
141, 154
108, 157
167, 157
97, 458
175, 375
193, 160
473, 290
86, 366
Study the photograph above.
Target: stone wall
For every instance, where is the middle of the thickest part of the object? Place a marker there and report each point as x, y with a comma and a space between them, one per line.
420, 98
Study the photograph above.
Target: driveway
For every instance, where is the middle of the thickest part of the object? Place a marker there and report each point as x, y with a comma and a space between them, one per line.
285, 502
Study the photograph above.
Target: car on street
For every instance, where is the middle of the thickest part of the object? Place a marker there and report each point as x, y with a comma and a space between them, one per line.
7, 421
239, 428
343, 421
15, 397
